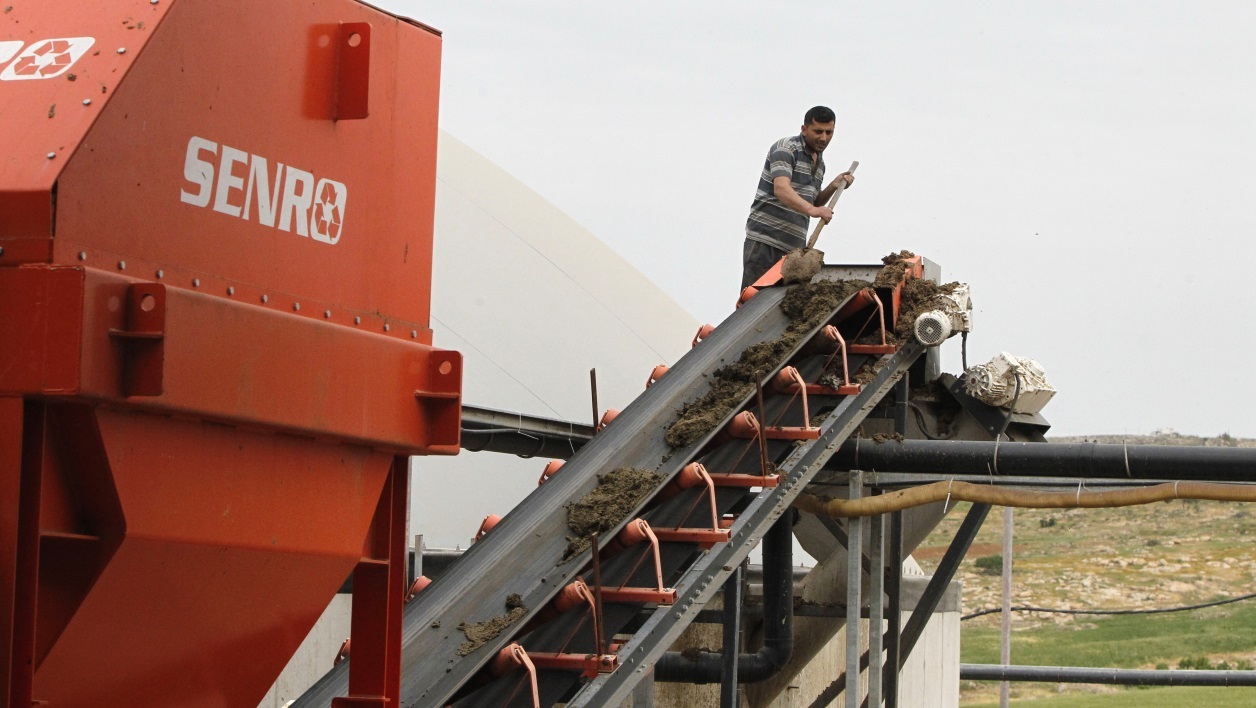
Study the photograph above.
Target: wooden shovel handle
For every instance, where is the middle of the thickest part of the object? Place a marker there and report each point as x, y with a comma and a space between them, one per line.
811, 243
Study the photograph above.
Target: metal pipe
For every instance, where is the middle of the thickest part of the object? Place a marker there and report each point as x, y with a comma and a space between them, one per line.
1073, 460
952, 492
1115, 677
854, 579
778, 621
732, 638
489, 430
894, 582
876, 610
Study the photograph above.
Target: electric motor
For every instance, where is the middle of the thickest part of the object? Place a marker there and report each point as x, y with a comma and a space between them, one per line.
954, 314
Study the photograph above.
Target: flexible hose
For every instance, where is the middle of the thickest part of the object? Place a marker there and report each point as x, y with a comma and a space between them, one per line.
1022, 498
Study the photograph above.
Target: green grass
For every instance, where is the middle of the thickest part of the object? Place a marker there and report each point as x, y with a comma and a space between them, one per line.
1122, 641
1159, 697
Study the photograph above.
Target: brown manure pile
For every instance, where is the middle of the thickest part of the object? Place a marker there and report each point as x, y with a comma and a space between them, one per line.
617, 493
895, 265
806, 306
919, 297
479, 633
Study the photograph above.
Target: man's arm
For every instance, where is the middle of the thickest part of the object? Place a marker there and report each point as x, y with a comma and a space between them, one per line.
827, 193
784, 191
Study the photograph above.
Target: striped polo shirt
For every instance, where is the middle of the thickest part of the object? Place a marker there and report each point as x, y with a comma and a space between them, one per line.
772, 222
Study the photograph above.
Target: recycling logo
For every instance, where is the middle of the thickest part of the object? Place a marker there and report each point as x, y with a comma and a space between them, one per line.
329, 210
47, 59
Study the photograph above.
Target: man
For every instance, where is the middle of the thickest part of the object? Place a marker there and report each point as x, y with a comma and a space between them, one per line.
789, 195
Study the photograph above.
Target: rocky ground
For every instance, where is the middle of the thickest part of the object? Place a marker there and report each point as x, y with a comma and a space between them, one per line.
1153, 556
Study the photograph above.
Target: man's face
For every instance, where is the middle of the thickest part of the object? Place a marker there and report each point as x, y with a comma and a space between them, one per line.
817, 136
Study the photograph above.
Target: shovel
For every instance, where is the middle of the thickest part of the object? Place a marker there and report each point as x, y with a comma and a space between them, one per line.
802, 264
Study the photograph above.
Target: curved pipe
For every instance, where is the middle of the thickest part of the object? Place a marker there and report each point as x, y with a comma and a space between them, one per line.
1021, 498
778, 622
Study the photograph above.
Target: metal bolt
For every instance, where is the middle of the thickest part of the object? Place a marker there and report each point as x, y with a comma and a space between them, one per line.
387, 326
231, 290
327, 314
82, 255
265, 299
161, 274
122, 50
296, 306
52, 156
357, 320
414, 333
152, 2
196, 282
121, 265
87, 102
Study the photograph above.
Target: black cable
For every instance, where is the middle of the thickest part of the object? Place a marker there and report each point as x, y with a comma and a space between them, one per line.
963, 349
920, 421
1157, 611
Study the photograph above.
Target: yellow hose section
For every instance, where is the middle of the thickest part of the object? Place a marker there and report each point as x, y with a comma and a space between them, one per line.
1022, 498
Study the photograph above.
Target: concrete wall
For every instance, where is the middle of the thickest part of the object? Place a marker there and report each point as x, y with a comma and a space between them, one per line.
930, 678
315, 656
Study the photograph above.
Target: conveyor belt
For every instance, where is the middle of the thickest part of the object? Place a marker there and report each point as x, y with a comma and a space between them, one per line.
707, 575
523, 554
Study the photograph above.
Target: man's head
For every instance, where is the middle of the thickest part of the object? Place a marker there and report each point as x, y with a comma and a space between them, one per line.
817, 128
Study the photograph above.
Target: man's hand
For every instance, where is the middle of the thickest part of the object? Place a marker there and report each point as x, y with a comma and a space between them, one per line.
848, 178
820, 212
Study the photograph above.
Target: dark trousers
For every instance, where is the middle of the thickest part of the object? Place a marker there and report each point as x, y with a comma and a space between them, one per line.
756, 259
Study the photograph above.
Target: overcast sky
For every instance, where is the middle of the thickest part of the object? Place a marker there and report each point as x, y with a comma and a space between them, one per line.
1087, 167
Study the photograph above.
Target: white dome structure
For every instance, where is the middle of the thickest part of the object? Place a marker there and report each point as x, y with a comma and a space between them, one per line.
533, 301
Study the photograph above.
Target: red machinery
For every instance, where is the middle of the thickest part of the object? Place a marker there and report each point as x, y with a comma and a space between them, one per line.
216, 227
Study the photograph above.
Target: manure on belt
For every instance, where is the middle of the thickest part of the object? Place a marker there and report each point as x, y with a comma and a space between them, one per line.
617, 493
480, 633
807, 306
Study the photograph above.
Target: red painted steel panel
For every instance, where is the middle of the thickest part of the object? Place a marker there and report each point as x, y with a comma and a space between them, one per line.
234, 544
217, 159
303, 376
41, 316
196, 479
65, 64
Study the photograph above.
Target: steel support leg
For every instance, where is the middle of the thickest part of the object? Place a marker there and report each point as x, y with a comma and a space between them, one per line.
924, 609
854, 578
378, 595
942, 578
894, 583
732, 638
14, 668
902, 391
876, 609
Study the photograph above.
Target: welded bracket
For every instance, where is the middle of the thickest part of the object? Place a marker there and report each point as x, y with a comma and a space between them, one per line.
353, 71
143, 340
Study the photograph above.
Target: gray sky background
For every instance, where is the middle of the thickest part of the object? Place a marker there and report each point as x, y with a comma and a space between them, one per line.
1087, 167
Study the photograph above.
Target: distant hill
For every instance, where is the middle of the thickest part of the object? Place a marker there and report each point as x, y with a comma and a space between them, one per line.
1161, 437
